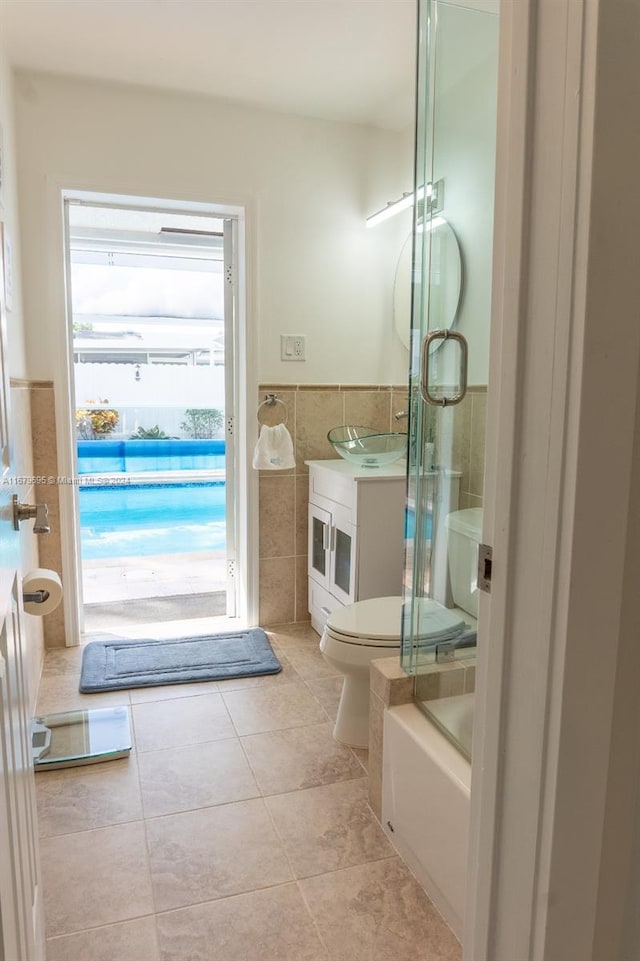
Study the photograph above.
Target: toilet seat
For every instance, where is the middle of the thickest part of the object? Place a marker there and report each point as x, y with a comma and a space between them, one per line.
377, 621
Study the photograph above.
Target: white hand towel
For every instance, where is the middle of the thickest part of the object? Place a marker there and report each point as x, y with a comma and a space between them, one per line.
274, 449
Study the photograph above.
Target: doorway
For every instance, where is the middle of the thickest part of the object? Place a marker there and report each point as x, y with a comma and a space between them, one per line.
153, 368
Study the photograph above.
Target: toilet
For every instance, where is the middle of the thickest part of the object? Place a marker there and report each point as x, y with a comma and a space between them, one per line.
356, 634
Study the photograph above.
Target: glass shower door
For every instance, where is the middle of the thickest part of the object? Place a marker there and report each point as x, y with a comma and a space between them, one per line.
451, 286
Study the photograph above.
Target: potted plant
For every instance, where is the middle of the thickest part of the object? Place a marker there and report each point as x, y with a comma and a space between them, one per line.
96, 423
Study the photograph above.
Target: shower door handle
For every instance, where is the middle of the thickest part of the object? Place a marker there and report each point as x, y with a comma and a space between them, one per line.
425, 391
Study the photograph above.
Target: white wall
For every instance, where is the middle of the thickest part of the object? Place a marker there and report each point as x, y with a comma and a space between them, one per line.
9, 215
308, 184
19, 427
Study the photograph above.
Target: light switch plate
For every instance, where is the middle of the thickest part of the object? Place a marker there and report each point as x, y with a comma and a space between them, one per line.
293, 347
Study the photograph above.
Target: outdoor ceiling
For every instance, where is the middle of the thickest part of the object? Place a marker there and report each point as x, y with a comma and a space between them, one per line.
346, 60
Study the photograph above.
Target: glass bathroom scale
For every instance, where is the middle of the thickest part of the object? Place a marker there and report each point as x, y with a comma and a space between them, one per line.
80, 737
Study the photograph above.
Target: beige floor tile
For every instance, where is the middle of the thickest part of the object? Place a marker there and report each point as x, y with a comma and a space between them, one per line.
201, 775
259, 710
83, 798
221, 872
294, 636
214, 852
264, 681
378, 912
363, 756
180, 721
310, 664
328, 828
58, 693
164, 692
328, 691
129, 941
271, 925
63, 660
95, 878
300, 757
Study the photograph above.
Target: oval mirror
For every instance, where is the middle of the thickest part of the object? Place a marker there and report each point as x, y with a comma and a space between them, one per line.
445, 281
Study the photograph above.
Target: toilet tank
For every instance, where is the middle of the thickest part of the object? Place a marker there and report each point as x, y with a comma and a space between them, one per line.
464, 530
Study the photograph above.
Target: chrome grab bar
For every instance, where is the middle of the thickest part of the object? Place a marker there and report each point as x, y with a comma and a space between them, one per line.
426, 394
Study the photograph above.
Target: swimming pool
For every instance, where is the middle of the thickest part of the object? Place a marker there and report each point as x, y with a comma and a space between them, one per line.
139, 520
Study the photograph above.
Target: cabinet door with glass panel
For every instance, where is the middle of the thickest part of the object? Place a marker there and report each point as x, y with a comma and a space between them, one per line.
342, 558
332, 551
319, 545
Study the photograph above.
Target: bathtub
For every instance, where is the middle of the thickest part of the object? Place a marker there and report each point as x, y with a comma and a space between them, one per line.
425, 805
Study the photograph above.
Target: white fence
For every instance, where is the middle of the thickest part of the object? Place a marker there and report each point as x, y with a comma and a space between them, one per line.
159, 398
166, 384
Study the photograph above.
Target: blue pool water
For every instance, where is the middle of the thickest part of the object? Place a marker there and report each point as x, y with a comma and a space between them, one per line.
139, 520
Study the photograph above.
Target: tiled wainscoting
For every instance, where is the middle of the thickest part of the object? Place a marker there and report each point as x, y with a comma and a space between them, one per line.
461, 443
390, 686
30, 552
311, 412
41, 401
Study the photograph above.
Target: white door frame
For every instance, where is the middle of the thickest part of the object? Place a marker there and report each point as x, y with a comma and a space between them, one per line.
245, 482
555, 754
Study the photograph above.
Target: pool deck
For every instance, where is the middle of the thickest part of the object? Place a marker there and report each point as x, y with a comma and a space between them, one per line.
108, 585
162, 575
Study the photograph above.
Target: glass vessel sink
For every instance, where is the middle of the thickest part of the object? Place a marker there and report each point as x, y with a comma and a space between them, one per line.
367, 447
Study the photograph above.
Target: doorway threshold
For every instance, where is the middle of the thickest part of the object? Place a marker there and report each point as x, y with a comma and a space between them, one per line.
113, 615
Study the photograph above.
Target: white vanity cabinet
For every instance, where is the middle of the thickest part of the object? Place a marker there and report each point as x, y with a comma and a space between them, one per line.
356, 534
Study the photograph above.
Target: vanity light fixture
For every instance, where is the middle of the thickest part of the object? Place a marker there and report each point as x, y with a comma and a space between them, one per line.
435, 200
393, 207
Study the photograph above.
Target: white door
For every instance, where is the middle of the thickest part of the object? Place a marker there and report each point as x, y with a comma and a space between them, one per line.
21, 925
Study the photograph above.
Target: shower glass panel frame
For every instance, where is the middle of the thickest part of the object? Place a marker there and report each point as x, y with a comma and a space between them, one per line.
455, 150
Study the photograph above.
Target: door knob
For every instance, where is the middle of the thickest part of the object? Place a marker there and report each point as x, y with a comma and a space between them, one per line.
36, 512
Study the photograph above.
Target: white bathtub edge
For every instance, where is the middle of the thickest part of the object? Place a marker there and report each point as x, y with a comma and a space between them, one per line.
426, 798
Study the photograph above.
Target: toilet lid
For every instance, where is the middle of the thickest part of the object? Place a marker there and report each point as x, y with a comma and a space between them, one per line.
378, 622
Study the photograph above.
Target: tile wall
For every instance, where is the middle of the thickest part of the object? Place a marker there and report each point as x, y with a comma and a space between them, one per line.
23, 468
45, 464
461, 443
390, 686
311, 411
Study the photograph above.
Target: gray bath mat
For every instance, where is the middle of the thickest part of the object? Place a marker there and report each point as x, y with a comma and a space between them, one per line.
118, 665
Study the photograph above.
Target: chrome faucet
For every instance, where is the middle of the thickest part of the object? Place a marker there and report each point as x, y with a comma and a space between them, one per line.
37, 512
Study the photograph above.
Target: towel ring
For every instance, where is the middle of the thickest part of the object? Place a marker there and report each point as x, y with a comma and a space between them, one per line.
271, 400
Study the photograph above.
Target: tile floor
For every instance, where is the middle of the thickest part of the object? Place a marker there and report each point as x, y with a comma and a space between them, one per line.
237, 830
